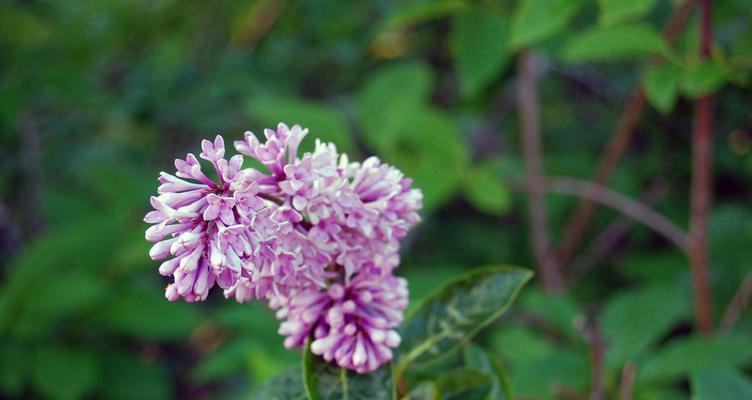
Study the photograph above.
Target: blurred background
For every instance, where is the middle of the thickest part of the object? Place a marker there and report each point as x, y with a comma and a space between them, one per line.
97, 97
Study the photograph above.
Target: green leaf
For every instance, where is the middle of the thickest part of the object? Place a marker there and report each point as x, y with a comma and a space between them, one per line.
662, 86
454, 313
617, 43
389, 98
485, 187
286, 386
63, 373
699, 79
149, 316
124, 377
681, 356
429, 148
476, 357
613, 12
636, 320
324, 381
536, 20
465, 384
478, 43
322, 121
720, 383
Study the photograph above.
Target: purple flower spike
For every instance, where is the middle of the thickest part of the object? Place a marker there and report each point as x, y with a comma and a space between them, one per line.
315, 235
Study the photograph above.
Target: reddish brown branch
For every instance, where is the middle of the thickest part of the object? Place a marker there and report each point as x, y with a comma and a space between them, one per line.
527, 100
610, 198
737, 305
607, 240
628, 375
700, 196
578, 223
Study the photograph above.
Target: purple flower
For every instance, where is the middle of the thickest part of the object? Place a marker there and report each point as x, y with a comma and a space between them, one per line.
207, 230
315, 235
352, 324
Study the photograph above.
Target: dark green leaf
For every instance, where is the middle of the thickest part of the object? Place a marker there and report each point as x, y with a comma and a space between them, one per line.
614, 11
681, 356
537, 20
465, 384
476, 357
286, 386
720, 383
64, 373
453, 314
479, 47
486, 189
635, 320
325, 381
662, 86
617, 43
698, 79
322, 122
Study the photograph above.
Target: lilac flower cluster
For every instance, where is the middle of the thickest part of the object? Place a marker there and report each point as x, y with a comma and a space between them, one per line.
314, 235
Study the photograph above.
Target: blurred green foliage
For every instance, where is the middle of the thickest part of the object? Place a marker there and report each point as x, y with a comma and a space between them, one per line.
96, 97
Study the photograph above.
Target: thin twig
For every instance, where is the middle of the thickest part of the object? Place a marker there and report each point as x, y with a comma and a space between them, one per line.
608, 197
607, 240
737, 304
617, 145
700, 195
628, 374
527, 100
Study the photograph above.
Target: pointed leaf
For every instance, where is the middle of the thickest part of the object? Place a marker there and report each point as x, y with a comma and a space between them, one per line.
453, 314
662, 86
617, 43
478, 44
537, 20
614, 11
